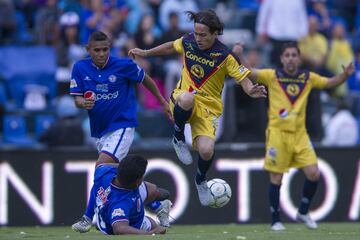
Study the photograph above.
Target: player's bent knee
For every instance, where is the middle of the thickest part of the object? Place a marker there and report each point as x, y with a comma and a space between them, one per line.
314, 176
185, 101
206, 152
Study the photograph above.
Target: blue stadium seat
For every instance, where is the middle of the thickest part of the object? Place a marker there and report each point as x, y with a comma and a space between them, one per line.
15, 131
42, 123
21, 66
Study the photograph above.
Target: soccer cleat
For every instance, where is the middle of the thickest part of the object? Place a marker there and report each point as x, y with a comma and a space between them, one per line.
204, 193
83, 225
278, 226
307, 220
182, 151
163, 212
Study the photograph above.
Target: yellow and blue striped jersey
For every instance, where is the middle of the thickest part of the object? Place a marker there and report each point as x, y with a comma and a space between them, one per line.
204, 72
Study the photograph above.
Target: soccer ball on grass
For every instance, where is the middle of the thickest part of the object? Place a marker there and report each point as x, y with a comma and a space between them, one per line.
220, 191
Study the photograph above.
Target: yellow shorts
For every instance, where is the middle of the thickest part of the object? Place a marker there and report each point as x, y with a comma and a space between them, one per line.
285, 150
202, 121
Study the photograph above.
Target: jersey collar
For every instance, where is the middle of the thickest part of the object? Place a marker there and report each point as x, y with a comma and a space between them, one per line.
105, 64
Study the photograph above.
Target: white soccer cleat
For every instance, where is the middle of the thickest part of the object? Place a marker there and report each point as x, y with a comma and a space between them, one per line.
307, 220
278, 226
204, 193
163, 213
83, 225
182, 151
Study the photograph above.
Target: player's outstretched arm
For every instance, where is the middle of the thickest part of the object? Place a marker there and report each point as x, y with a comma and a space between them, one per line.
123, 227
253, 90
163, 49
151, 86
238, 49
342, 77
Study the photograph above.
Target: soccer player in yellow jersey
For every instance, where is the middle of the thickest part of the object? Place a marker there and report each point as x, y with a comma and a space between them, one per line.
287, 141
197, 97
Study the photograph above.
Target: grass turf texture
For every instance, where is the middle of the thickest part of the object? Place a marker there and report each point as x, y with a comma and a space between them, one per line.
326, 231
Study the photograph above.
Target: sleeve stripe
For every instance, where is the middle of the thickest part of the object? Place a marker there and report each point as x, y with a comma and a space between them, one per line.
77, 94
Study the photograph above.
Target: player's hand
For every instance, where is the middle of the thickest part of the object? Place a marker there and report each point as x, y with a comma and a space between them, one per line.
167, 111
89, 103
158, 230
238, 48
137, 52
257, 91
349, 69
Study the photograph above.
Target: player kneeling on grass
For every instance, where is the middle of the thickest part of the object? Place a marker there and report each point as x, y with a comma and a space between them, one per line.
120, 196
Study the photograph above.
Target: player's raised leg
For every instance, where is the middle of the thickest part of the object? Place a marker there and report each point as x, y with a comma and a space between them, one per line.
312, 174
274, 196
182, 112
205, 146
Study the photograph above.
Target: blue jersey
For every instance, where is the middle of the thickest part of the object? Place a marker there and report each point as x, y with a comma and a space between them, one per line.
114, 89
115, 204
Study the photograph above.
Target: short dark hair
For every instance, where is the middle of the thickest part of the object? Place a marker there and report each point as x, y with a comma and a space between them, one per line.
131, 168
209, 18
290, 45
98, 36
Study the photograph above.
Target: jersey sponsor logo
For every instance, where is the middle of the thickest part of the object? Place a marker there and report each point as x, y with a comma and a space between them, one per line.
197, 71
112, 78
215, 54
243, 69
293, 90
283, 113
102, 195
102, 87
107, 96
198, 59
73, 83
118, 212
87, 78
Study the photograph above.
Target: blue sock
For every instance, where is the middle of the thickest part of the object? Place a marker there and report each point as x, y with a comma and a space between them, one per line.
180, 118
274, 195
154, 205
203, 168
89, 212
309, 190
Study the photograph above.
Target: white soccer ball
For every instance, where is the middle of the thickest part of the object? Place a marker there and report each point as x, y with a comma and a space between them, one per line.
221, 192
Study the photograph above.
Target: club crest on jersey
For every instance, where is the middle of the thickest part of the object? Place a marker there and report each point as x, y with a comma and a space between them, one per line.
112, 78
118, 212
283, 113
73, 83
293, 90
197, 71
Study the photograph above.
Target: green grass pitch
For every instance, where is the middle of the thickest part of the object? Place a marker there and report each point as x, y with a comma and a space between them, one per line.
326, 231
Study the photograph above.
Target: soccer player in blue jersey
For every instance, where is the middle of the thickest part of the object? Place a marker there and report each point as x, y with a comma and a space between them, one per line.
120, 196
197, 96
105, 86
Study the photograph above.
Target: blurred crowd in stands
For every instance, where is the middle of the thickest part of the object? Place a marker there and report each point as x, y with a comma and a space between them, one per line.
41, 39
